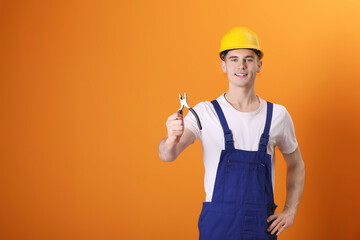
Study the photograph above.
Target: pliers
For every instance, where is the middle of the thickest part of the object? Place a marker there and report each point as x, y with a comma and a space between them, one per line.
183, 102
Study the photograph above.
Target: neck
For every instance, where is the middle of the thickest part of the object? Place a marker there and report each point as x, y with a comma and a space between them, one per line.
244, 100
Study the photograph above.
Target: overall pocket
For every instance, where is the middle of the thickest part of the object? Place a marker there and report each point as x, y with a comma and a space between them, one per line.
246, 182
216, 224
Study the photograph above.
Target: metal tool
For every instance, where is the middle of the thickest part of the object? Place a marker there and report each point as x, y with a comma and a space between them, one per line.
183, 102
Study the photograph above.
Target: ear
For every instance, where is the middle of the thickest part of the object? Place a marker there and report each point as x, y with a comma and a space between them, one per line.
259, 66
223, 66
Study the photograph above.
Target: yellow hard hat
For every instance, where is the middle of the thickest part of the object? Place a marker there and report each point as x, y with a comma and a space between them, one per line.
240, 37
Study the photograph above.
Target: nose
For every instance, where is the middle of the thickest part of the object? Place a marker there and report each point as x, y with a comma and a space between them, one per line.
241, 65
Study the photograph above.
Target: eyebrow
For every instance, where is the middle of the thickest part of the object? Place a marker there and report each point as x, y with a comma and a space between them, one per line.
248, 56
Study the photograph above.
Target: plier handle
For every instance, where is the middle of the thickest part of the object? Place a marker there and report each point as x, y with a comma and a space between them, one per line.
183, 102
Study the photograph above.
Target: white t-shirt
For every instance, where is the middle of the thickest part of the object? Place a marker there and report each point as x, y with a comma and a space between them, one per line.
246, 127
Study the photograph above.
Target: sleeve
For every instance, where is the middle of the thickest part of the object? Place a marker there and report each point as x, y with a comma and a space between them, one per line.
288, 143
191, 123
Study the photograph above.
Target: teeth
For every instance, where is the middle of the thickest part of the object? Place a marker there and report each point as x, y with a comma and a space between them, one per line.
240, 74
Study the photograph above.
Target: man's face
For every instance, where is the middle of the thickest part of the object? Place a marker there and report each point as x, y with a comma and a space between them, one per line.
241, 66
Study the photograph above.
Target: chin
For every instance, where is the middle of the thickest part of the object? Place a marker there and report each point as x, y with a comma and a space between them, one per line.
240, 84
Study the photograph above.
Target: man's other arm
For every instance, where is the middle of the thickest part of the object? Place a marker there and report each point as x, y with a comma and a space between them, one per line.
294, 186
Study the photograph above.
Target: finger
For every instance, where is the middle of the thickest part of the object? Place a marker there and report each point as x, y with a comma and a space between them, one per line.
171, 123
175, 116
280, 224
275, 229
179, 115
282, 229
274, 223
176, 122
176, 133
177, 128
272, 217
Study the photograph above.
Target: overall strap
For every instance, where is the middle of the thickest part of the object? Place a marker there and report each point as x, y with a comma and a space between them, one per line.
229, 142
265, 136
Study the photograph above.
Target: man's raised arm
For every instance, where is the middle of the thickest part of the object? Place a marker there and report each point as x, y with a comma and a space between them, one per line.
177, 140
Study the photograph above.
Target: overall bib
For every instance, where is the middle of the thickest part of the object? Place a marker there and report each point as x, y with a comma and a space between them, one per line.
243, 194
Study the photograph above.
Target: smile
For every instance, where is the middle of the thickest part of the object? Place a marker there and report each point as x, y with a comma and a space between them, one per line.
241, 74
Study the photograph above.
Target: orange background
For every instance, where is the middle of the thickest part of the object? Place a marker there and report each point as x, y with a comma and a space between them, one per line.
87, 86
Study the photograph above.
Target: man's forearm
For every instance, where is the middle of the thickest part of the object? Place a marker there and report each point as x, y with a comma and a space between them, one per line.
167, 151
294, 186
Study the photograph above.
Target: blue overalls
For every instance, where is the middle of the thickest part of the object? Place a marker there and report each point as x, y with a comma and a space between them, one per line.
243, 196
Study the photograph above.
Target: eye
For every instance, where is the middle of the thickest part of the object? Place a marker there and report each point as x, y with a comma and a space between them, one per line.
234, 60
249, 60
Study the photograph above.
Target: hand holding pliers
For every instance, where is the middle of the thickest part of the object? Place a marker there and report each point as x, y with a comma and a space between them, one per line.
183, 102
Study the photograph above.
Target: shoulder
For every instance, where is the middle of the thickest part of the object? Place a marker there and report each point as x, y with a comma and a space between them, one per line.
281, 115
279, 110
283, 129
207, 117
204, 107
203, 104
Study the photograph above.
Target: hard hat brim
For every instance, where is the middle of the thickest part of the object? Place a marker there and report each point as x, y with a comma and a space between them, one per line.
254, 49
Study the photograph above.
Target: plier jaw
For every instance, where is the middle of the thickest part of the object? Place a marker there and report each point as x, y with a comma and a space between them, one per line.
183, 103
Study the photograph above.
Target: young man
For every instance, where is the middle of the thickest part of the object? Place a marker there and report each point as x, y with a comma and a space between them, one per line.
239, 136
